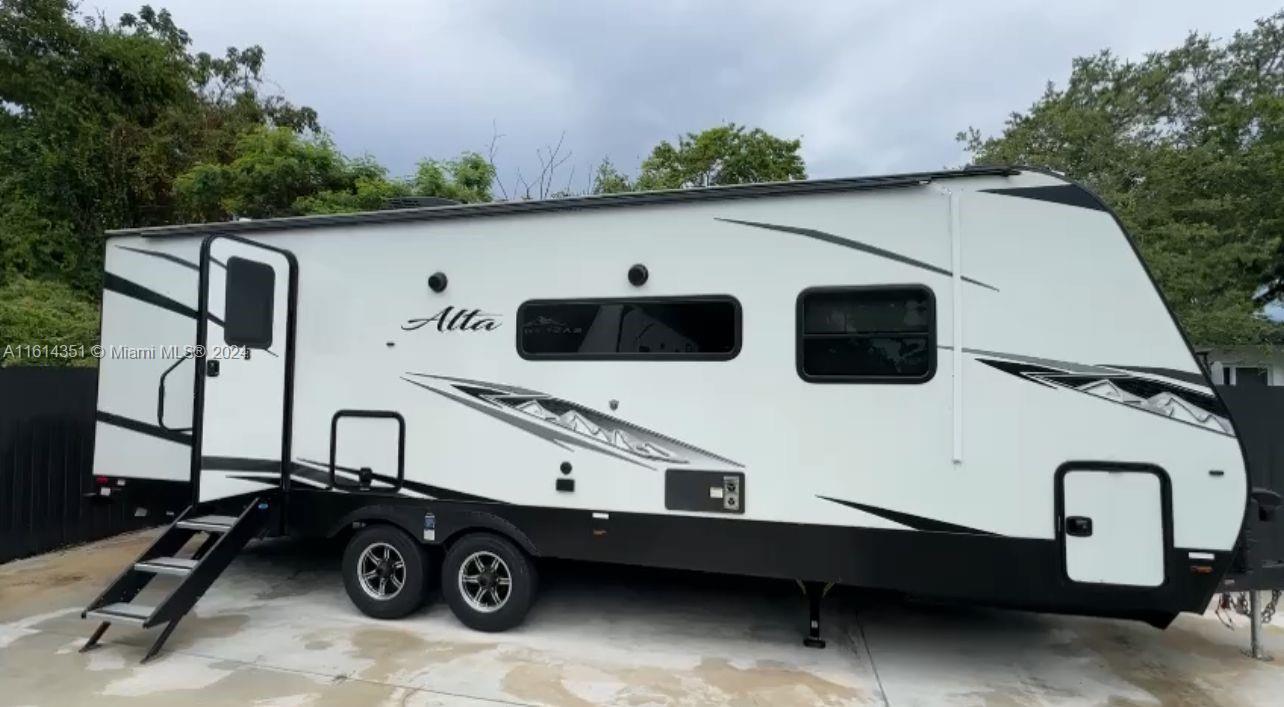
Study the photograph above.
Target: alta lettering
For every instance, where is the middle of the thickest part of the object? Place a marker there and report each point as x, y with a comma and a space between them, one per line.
451, 319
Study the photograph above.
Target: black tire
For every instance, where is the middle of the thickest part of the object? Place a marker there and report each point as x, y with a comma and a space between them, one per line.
390, 542
516, 565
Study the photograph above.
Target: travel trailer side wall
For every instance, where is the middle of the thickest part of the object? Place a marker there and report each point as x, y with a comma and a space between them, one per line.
958, 384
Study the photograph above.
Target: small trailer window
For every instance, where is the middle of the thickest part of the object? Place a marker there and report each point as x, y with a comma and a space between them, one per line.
867, 334
668, 328
248, 303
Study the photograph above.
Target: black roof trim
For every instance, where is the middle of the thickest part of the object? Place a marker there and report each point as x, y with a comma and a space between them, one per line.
1068, 194
740, 191
417, 202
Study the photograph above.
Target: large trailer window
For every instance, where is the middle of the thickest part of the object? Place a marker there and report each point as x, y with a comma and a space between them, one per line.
248, 299
867, 334
667, 328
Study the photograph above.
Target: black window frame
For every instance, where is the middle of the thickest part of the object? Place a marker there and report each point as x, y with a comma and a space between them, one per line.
800, 335
738, 329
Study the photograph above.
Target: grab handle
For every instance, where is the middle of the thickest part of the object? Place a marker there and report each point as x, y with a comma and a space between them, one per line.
160, 397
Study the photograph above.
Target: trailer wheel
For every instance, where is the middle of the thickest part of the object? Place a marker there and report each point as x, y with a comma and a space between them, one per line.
385, 572
488, 582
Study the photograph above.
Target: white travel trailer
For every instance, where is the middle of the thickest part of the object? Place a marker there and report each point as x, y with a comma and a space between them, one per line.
958, 384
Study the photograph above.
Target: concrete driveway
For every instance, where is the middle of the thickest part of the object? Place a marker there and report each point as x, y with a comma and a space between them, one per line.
278, 629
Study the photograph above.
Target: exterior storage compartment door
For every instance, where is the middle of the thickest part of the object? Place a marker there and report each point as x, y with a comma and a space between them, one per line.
1112, 524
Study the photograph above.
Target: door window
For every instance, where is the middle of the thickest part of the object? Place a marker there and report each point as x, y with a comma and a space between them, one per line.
249, 300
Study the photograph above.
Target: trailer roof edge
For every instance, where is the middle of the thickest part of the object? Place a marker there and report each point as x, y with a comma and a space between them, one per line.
434, 213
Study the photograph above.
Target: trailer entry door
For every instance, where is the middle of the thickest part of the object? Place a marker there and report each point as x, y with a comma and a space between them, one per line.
244, 368
1112, 526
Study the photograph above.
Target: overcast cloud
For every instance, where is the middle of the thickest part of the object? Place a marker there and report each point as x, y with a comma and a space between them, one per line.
870, 87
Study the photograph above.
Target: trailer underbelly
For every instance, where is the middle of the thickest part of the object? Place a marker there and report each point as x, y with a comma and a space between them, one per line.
1024, 573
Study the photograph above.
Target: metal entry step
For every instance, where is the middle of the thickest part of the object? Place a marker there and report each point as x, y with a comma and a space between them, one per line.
123, 613
175, 566
225, 536
209, 524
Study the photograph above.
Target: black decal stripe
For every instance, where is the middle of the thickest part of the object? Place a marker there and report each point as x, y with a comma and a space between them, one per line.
1021, 370
857, 245
274, 478
128, 288
144, 428
506, 389
1183, 376
1068, 194
436, 492
163, 256
913, 521
172, 258
439, 492
241, 464
120, 285
255, 479
268, 471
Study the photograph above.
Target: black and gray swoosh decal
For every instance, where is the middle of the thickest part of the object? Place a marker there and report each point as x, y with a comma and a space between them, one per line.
916, 522
1115, 384
857, 245
568, 424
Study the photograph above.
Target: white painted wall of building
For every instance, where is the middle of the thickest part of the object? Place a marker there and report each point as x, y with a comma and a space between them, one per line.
1225, 364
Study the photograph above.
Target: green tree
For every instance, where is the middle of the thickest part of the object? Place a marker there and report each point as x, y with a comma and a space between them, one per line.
726, 154
97, 120
273, 168
277, 172
366, 188
1188, 146
609, 180
467, 179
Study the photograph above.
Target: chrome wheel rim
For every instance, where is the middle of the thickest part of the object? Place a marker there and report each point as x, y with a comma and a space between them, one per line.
485, 582
381, 571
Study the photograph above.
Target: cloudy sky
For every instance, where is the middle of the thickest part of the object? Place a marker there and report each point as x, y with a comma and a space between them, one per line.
870, 87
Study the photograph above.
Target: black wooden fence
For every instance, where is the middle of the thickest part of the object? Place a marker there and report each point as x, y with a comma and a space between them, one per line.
46, 453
